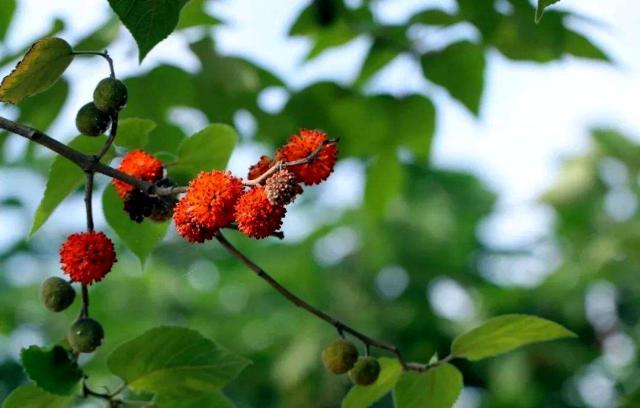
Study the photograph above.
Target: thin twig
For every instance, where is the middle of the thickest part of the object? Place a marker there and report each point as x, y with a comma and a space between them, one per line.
90, 164
85, 162
104, 54
112, 136
88, 199
340, 326
279, 165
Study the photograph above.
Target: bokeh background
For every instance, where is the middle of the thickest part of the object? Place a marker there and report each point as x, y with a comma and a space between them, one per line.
488, 166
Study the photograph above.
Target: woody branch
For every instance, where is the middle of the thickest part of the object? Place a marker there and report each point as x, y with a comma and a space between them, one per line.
91, 164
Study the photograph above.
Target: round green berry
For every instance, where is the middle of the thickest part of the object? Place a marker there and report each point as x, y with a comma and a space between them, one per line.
339, 356
110, 95
91, 121
85, 335
365, 371
57, 294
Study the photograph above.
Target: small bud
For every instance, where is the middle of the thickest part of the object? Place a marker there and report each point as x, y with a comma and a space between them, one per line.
365, 371
339, 356
85, 335
57, 294
110, 95
91, 121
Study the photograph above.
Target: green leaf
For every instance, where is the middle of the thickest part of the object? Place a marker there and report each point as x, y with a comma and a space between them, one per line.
505, 333
435, 17
133, 133
65, 177
385, 180
141, 238
437, 388
51, 369
208, 400
380, 54
459, 68
206, 150
195, 14
364, 396
543, 4
148, 21
6, 14
40, 68
32, 396
175, 361
101, 37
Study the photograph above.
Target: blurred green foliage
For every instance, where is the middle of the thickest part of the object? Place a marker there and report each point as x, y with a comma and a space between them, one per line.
414, 218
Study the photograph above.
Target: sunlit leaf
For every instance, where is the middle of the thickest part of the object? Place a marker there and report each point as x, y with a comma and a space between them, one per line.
176, 362
133, 133
505, 333
206, 150
40, 68
65, 177
439, 387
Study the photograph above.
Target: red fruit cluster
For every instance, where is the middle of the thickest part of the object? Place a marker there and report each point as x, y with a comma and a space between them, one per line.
87, 256
139, 164
216, 199
208, 205
299, 147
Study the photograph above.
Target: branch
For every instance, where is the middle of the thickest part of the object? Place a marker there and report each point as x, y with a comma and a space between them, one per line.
279, 165
85, 162
339, 325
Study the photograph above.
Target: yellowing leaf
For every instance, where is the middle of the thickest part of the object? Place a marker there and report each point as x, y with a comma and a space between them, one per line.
40, 68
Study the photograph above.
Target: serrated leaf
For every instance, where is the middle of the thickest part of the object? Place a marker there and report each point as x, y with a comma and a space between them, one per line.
32, 396
141, 238
51, 369
40, 68
176, 362
505, 333
65, 177
148, 22
206, 150
364, 396
439, 387
543, 4
459, 68
133, 133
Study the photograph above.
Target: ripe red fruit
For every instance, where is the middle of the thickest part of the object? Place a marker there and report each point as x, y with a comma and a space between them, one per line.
299, 147
208, 205
256, 216
87, 256
140, 164
258, 169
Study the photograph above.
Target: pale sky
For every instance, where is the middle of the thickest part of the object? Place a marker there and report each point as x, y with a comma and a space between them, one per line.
532, 115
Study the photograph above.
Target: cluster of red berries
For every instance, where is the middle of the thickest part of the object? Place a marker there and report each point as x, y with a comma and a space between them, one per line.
137, 204
217, 199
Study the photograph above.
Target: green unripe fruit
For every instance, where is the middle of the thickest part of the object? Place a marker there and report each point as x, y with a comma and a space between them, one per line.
85, 335
339, 356
110, 95
365, 371
91, 121
57, 294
